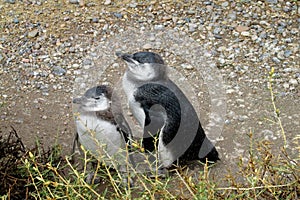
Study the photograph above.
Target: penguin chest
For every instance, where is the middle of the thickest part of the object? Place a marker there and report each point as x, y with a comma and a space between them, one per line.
137, 111
99, 136
134, 106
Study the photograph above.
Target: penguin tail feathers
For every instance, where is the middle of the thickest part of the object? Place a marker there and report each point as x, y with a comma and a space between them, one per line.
212, 156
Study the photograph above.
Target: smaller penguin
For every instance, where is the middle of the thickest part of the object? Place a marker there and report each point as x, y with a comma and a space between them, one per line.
100, 131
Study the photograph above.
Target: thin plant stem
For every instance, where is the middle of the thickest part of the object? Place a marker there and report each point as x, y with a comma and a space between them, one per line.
276, 110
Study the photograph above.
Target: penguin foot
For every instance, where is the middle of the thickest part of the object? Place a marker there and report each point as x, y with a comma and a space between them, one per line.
161, 173
128, 182
91, 179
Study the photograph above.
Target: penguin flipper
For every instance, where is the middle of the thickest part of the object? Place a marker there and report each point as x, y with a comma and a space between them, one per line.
123, 126
126, 134
75, 143
161, 107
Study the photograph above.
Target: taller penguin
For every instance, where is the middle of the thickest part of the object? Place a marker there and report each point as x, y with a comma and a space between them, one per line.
160, 107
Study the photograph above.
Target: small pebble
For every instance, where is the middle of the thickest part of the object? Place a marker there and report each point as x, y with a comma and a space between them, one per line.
276, 60
287, 70
294, 31
242, 28
118, 15
74, 1
230, 91
187, 66
44, 74
87, 62
42, 57
37, 46
222, 60
152, 38
16, 21
217, 30
107, 2
240, 101
105, 27
227, 121
232, 15
286, 9
34, 73
115, 65
81, 3
132, 5
158, 27
72, 50
293, 82
245, 33
286, 85
75, 66
268, 135
263, 35
207, 2
10, 1
287, 53
288, 40
232, 75
147, 46
225, 4
19, 121
90, 4
187, 19
280, 55
272, 1
58, 71
25, 60
95, 19
192, 27
33, 33
242, 118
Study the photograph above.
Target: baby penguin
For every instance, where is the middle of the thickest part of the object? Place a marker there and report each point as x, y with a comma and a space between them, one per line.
99, 130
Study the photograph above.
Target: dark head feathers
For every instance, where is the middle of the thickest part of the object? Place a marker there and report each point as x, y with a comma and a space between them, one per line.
97, 91
142, 57
148, 57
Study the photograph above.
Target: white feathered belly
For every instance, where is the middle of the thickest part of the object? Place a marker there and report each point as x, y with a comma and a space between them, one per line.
98, 136
134, 106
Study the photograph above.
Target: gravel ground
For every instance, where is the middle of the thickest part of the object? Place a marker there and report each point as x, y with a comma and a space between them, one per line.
48, 46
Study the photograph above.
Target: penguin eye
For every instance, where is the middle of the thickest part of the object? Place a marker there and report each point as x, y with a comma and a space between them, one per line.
97, 98
140, 61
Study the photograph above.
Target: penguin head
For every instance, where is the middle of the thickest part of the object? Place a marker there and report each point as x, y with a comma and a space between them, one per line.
95, 99
144, 66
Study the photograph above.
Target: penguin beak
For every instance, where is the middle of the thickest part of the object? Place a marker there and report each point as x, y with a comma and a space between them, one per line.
79, 100
125, 56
